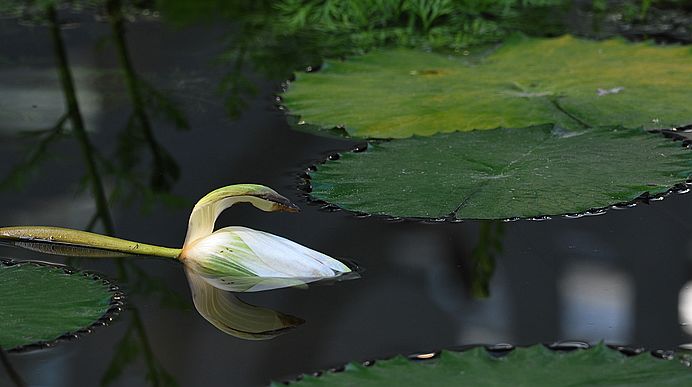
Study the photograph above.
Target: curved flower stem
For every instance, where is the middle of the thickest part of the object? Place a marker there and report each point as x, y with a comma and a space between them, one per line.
208, 208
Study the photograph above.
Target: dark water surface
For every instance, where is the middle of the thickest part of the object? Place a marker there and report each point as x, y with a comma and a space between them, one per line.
624, 277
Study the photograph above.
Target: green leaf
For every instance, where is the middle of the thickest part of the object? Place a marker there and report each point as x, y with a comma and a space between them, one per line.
42, 302
532, 366
566, 81
503, 173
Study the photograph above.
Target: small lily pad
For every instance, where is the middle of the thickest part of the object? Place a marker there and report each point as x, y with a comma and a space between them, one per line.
532, 366
503, 173
42, 303
567, 81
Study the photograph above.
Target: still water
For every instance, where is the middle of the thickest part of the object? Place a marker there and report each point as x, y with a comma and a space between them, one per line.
624, 277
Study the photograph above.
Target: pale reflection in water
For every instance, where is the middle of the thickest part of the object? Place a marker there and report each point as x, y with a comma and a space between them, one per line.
480, 317
685, 308
597, 301
235, 317
32, 101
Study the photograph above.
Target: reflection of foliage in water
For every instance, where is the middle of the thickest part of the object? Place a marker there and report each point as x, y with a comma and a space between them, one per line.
137, 137
133, 344
138, 133
479, 267
274, 38
124, 171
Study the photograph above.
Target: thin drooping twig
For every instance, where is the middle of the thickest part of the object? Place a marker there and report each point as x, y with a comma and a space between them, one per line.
75, 117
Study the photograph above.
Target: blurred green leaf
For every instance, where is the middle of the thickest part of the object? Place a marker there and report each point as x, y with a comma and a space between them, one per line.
533, 366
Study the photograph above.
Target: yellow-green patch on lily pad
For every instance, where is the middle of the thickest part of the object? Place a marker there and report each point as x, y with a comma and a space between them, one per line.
567, 81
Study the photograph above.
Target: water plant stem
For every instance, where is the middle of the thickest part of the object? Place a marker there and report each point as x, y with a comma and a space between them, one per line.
77, 238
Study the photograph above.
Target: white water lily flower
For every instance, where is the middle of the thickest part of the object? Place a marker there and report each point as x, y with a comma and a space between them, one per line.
232, 258
242, 259
233, 254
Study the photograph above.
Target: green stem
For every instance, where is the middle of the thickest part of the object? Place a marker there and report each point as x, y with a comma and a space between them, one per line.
58, 236
75, 116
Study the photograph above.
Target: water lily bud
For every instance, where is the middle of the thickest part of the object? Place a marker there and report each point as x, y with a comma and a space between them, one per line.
242, 259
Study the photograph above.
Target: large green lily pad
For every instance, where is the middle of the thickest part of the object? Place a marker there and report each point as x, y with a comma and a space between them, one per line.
503, 173
533, 366
566, 81
42, 303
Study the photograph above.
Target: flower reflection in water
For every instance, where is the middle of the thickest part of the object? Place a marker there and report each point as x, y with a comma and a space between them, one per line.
232, 316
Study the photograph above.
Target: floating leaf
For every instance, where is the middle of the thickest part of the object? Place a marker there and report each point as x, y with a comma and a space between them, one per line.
42, 303
566, 81
533, 366
503, 173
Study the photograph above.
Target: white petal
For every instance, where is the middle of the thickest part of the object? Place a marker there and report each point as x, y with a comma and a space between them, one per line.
280, 255
256, 284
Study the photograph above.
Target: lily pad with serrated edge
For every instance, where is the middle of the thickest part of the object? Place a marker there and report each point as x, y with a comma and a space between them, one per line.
43, 303
571, 82
503, 173
532, 366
